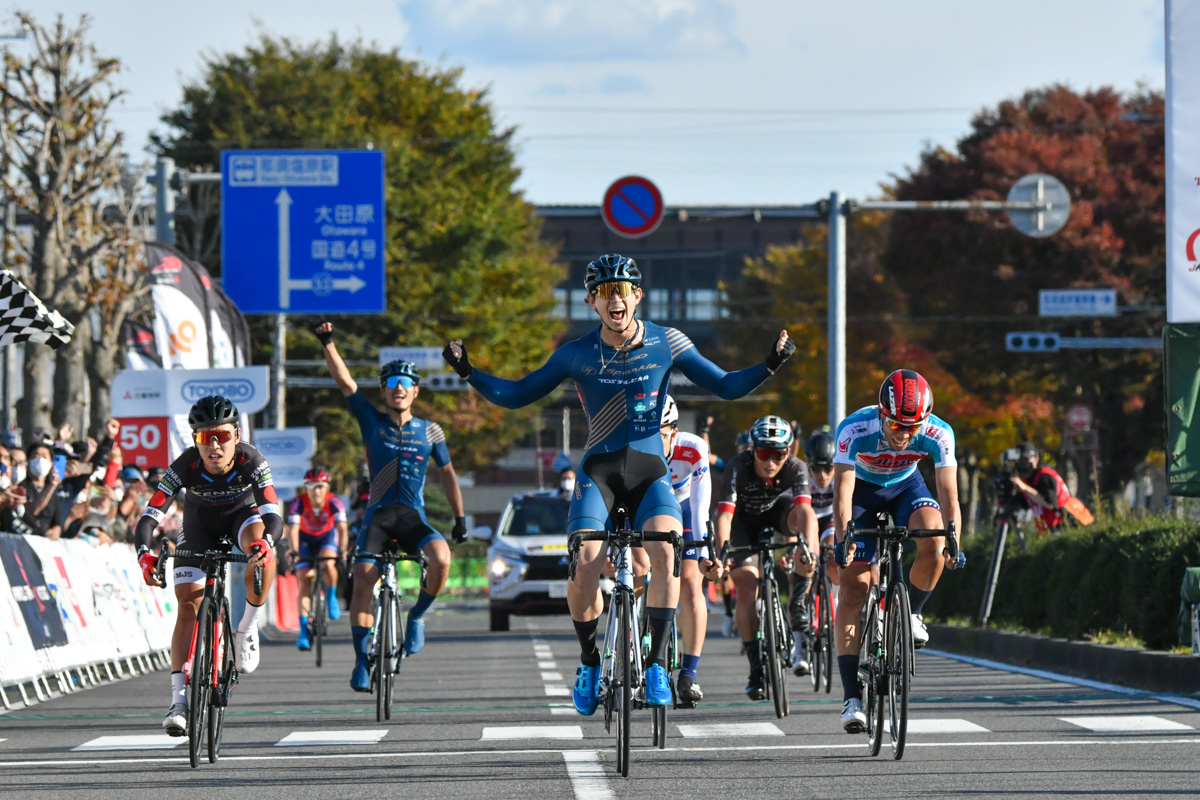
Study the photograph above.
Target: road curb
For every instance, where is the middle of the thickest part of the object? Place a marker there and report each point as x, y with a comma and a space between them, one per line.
1145, 670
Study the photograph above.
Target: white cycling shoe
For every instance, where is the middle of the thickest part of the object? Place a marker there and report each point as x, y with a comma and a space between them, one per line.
853, 718
247, 651
175, 722
920, 632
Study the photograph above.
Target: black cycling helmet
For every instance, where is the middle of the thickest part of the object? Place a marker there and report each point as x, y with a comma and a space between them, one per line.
399, 367
208, 412
611, 267
819, 449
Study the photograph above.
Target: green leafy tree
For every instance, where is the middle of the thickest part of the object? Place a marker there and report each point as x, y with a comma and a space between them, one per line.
463, 255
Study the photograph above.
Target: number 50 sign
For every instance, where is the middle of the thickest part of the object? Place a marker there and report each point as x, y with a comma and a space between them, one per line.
143, 441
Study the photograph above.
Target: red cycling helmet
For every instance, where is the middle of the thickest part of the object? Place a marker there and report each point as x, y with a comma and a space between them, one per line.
905, 397
317, 475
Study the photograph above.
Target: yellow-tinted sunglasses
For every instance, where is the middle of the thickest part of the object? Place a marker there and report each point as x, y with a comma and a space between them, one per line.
607, 290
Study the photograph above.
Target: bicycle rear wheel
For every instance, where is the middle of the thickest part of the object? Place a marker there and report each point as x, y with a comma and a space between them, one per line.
382, 651
770, 631
201, 682
625, 645
812, 637
899, 639
220, 698
874, 690
825, 634
317, 618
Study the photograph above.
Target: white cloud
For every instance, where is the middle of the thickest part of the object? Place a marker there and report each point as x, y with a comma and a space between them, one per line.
559, 31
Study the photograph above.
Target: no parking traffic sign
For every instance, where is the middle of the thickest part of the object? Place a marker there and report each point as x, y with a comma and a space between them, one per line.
633, 207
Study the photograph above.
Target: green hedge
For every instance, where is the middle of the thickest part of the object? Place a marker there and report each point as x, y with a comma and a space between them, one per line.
1121, 576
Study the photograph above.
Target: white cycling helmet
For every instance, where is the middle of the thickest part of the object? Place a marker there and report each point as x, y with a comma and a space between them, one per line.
773, 432
670, 412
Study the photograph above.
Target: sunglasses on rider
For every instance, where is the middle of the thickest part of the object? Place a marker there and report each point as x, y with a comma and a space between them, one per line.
769, 454
208, 437
607, 290
393, 381
900, 426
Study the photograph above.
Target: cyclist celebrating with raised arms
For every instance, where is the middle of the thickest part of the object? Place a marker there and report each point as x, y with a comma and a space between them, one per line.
622, 373
687, 455
764, 487
317, 528
400, 447
230, 496
875, 470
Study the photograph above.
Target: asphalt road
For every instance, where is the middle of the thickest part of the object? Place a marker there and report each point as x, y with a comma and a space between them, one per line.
477, 715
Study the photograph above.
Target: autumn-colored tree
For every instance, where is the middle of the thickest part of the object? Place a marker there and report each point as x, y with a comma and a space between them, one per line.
464, 259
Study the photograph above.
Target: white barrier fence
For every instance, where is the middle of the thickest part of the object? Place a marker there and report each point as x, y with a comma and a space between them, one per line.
74, 613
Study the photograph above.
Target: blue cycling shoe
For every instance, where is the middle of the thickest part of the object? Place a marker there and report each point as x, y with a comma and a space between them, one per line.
302, 642
360, 679
414, 636
335, 608
658, 686
587, 689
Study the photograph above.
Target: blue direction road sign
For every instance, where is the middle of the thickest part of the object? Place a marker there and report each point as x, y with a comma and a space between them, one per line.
302, 231
633, 207
1077, 302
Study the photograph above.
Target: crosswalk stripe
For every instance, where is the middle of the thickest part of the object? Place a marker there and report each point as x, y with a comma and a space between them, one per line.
532, 732
1116, 723
140, 742
310, 738
939, 726
541, 665
562, 709
589, 780
557, 691
551, 676
721, 731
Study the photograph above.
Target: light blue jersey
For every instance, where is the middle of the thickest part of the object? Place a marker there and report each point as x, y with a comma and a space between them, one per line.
860, 442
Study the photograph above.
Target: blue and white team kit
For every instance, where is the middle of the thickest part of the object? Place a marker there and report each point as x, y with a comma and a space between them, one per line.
692, 482
887, 479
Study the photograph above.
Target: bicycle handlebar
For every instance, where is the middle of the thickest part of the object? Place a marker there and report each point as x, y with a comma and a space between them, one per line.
217, 556
899, 534
622, 538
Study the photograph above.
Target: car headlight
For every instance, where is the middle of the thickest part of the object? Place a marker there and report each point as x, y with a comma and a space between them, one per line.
503, 566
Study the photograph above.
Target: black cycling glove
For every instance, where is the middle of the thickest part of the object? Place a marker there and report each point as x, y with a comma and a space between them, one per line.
775, 359
459, 533
456, 356
324, 338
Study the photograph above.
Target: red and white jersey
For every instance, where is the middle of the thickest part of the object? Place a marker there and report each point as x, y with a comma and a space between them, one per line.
315, 523
691, 479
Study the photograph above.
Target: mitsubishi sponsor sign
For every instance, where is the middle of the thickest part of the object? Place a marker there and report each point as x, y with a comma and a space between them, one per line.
166, 392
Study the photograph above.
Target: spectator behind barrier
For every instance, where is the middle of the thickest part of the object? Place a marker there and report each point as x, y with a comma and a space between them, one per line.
43, 512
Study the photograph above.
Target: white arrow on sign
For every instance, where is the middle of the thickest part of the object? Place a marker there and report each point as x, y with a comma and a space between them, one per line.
322, 284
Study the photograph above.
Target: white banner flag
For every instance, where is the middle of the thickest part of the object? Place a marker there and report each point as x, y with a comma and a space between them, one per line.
1183, 161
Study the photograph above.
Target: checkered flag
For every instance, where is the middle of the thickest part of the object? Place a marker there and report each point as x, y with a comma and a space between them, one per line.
24, 318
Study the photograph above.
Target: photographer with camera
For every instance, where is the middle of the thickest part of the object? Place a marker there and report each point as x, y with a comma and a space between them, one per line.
1044, 489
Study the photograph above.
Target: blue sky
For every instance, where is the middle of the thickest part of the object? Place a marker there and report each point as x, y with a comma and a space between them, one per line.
718, 102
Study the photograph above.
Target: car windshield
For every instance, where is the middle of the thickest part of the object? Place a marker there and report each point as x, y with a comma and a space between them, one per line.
536, 516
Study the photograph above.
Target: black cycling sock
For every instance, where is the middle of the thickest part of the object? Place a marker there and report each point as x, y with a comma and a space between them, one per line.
586, 631
918, 597
848, 667
751, 648
659, 621
728, 604
800, 584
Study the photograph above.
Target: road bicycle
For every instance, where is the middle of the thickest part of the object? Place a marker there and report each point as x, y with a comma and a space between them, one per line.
209, 672
818, 637
318, 610
774, 638
387, 637
887, 660
622, 673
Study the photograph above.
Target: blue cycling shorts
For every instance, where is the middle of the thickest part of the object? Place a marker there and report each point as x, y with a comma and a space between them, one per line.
311, 547
635, 480
899, 500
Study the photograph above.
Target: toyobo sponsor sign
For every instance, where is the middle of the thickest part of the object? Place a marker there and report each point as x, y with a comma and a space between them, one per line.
153, 393
288, 446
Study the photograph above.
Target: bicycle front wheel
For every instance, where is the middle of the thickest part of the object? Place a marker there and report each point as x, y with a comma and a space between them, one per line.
625, 644
874, 656
201, 681
898, 636
383, 651
825, 633
224, 655
317, 620
396, 658
771, 639
812, 636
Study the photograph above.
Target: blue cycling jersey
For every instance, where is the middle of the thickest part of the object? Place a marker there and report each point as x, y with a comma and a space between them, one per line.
397, 459
621, 390
860, 442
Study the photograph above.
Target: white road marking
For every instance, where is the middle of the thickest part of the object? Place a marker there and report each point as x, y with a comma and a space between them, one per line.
312, 738
939, 726
649, 751
1117, 723
543, 652
549, 677
563, 709
1113, 688
541, 665
722, 731
532, 732
589, 779
557, 691
140, 742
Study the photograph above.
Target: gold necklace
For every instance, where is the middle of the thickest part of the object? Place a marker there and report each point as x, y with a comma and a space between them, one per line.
605, 364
